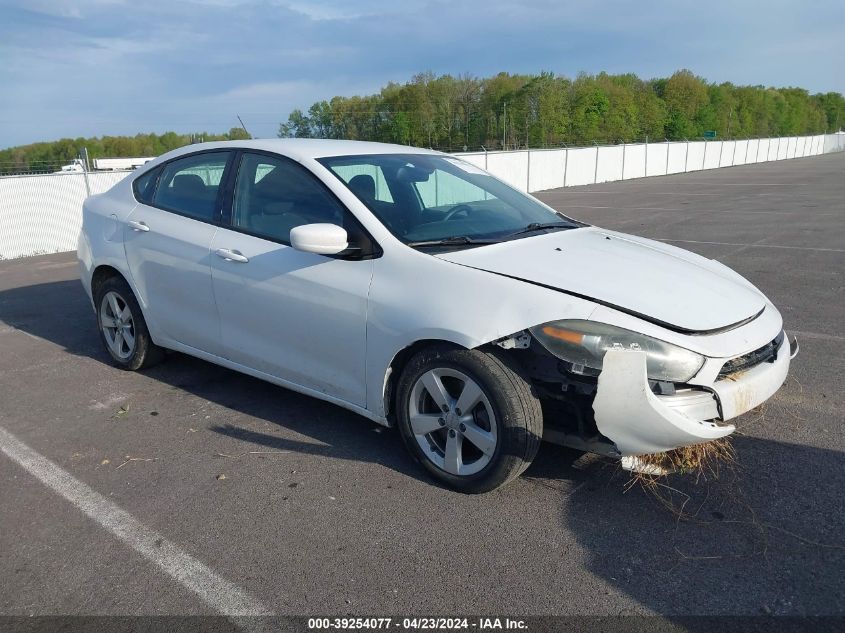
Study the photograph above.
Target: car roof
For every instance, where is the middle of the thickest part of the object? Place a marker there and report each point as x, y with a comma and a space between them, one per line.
304, 148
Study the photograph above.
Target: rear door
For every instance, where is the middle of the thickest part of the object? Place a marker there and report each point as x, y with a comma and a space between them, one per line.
297, 316
167, 240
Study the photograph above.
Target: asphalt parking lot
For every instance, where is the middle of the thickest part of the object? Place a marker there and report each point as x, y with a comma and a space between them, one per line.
310, 509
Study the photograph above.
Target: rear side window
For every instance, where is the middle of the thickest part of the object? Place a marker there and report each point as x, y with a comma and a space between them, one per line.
145, 186
189, 185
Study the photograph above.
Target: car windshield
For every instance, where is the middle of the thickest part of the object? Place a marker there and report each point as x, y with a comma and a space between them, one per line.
425, 199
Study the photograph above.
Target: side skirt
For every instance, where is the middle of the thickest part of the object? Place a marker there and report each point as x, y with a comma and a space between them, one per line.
224, 362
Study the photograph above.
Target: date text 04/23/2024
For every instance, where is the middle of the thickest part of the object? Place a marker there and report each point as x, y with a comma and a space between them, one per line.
417, 623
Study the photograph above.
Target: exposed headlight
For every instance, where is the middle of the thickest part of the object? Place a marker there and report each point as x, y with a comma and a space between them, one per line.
583, 344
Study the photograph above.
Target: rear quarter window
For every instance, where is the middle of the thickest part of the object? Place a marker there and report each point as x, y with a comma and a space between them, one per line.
144, 186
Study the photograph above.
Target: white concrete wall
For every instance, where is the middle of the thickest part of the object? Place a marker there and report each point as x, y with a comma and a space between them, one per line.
42, 214
512, 165
695, 155
580, 166
546, 169
634, 163
726, 153
677, 158
588, 165
758, 153
655, 159
712, 155
609, 166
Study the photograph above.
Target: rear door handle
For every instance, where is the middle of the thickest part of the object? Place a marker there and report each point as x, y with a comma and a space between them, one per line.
138, 226
231, 256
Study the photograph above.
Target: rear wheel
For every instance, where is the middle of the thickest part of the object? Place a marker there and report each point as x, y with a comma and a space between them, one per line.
470, 417
123, 329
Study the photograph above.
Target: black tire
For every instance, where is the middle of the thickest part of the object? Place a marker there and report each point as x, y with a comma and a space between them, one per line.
517, 412
144, 353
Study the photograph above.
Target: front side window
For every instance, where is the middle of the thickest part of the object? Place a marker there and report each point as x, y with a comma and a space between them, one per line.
365, 181
444, 188
274, 195
436, 198
189, 185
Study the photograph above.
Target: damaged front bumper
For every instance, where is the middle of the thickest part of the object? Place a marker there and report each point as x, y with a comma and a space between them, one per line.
638, 422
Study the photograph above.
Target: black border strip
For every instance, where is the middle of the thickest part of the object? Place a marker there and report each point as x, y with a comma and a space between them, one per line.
459, 622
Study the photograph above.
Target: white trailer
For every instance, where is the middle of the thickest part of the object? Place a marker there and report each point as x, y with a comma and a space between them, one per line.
112, 164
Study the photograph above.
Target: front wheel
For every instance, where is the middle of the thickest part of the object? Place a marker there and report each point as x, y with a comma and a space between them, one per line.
470, 417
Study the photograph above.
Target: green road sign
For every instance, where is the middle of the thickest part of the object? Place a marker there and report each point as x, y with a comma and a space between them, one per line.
710, 134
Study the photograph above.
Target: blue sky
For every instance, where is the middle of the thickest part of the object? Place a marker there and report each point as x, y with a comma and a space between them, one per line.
93, 67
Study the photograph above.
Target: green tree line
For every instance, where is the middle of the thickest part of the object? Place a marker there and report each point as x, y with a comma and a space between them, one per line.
47, 157
507, 110
548, 110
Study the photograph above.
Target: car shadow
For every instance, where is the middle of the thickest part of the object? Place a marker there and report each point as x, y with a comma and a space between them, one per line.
761, 537
61, 313
58, 312
765, 537
337, 433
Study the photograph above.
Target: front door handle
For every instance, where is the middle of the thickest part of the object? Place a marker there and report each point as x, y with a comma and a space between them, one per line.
231, 256
138, 226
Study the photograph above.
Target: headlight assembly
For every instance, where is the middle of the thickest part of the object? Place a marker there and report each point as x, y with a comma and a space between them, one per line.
583, 344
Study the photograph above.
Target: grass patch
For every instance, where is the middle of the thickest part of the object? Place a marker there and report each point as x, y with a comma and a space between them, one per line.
700, 462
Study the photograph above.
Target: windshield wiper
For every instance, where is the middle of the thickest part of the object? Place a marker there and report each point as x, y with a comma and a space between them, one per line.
540, 226
455, 240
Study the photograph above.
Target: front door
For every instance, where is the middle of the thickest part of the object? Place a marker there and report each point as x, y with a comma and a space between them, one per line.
297, 316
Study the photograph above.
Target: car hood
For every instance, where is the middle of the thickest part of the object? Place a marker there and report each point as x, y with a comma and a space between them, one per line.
661, 283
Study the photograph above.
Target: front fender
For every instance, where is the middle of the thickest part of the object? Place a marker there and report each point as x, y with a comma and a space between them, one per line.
463, 306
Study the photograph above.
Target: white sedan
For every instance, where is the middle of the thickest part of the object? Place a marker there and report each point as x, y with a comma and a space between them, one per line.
418, 290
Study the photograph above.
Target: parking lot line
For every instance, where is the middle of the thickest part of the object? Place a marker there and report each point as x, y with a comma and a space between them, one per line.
731, 211
755, 245
633, 191
218, 593
748, 184
817, 336
587, 206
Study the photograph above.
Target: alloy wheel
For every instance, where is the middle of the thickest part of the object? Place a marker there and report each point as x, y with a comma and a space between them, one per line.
118, 325
452, 421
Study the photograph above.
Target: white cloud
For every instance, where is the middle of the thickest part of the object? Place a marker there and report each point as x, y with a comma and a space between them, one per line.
65, 8
76, 67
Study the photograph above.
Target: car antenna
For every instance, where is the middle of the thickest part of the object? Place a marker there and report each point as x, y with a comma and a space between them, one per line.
243, 126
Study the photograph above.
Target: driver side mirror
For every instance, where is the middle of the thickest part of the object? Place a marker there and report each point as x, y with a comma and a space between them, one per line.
322, 239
